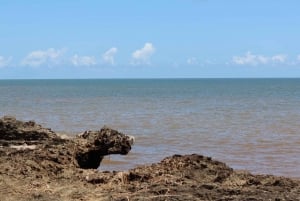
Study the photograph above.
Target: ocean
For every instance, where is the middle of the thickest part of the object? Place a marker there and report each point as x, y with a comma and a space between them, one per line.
250, 124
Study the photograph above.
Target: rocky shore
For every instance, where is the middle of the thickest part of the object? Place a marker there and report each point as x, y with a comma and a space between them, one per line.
39, 164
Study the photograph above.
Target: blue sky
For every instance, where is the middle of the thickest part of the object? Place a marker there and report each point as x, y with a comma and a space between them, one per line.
149, 39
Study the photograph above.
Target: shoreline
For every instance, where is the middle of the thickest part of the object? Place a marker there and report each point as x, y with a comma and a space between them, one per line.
249, 125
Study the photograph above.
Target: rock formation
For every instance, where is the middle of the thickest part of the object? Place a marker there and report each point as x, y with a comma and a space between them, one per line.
29, 140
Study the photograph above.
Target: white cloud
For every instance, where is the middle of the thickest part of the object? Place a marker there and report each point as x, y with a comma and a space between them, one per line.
108, 56
43, 57
250, 59
83, 60
142, 56
5, 61
253, 59
192, 61
298, 57
280, 58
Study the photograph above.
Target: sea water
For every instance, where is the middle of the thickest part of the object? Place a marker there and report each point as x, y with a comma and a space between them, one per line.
250, 124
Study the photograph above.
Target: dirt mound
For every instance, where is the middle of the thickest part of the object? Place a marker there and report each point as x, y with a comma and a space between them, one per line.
38, 164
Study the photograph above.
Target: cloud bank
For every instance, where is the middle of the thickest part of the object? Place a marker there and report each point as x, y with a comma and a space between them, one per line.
37, 58
253, 59
108, 56
143, 55
83, 60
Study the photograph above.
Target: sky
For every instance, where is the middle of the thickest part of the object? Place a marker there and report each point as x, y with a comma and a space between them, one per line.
149, 39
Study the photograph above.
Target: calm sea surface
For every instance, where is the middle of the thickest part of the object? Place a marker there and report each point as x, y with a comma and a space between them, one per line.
251, 124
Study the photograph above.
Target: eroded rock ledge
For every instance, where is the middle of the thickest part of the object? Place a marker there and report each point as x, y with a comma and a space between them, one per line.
38, 164
30, 141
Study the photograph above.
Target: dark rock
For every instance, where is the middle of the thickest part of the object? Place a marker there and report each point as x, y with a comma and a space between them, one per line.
96, 144
13, 130
31, 141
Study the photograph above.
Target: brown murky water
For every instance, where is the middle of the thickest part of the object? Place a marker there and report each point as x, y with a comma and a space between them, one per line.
250, 124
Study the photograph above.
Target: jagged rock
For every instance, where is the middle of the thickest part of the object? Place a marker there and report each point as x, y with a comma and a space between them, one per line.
94, 145
15, 131
31, 141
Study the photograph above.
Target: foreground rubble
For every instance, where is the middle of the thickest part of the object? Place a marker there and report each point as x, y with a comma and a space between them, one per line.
38, 164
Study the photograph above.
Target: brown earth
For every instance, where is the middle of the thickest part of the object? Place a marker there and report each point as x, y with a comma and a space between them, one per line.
38, 164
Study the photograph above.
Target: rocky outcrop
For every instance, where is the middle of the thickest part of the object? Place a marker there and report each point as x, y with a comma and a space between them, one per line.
13, 131
38, 164
92, 146
30, 141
